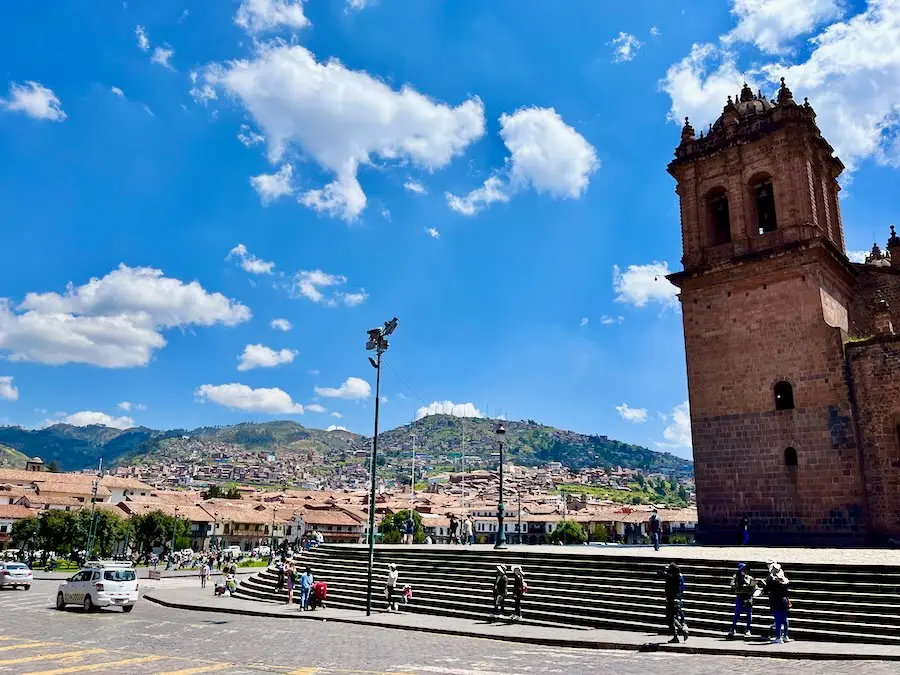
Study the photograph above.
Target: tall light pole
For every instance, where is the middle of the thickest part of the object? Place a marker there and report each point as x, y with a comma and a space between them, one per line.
272, 547
501, 534
172, 550
377, 342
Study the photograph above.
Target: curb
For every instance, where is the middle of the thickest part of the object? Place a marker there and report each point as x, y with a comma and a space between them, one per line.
246, 571
573, 643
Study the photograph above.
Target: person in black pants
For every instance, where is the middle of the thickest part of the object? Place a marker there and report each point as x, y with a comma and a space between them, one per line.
501, 582
674, 590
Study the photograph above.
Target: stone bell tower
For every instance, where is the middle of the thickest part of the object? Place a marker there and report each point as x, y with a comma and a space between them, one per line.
765, 292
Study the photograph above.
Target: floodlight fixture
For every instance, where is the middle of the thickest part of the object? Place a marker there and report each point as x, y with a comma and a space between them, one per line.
390, 326
373, 362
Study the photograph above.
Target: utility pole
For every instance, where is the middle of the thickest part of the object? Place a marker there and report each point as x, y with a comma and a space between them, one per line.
377, 342
501, 534
92, 528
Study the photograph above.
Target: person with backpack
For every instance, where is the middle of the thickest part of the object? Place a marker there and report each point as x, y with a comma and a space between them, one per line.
777, 589
743, 586
289, 577
520, 588
501, 583
674, 590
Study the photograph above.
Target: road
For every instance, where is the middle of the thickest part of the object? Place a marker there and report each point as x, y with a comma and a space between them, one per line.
37, 639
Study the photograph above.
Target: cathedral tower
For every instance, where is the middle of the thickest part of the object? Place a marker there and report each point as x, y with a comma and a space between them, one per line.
766, 292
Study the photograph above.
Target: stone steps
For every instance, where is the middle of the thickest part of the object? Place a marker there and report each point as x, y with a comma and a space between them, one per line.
831, 603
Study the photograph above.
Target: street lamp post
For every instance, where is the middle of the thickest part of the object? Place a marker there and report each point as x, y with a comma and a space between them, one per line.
378, 342
501, 534
272, 547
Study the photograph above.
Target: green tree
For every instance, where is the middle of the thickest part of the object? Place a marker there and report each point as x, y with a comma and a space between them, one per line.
568, 532
599, 533
24, 533
682, 494
61, 531
639, 479
391, 527
109, 530
228, 491
53, 466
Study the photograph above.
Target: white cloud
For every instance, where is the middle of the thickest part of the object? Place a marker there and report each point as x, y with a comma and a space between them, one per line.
161, 55
770, 23
359, 4
654, 31
311, 284
314, 371
281, 324
857, 256
341, 118
415, 186
546, 155
87, 418
433, 232
260, 356
271, 186
386, 213
641, 284
35, 100
128, 406
611, 320
678, 433
316, 408
336, 428
625, 47
249, 137
125, 405
241, 397
259, 16
114, 321
7, 390
584, 321
336, 414
635, 415
143, 41
850, 73
249, 262
449, 408
118, 92
352, 388
148, 111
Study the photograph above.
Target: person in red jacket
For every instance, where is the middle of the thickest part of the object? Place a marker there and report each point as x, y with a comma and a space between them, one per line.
318, 595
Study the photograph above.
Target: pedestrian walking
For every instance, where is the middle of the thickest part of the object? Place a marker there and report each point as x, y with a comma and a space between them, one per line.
279, 570
674, 590
744, 531
454, 528
777, 588
204, 575
655, 529
744, 587
520, 588
390, 587
628, 533
501, 583
410, 529
468, 531
306, 584
289, 580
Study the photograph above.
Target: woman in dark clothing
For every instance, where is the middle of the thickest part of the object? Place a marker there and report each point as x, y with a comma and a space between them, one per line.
519, 588
777, 588
501, 581
674, 598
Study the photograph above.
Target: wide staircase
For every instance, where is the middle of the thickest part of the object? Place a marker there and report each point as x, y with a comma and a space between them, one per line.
577, 590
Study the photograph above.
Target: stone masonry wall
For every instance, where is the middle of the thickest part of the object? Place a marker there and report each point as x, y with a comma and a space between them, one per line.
875, 368
755, 325
870, 282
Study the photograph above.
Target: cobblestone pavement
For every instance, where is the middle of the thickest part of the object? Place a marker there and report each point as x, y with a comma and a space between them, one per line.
37, 639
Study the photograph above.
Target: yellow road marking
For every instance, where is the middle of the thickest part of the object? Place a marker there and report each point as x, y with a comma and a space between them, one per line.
199, 669
26, 645
304, 671
98, 666
47, 657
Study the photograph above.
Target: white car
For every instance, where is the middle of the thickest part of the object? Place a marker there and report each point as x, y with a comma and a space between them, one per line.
14, 574
100, 585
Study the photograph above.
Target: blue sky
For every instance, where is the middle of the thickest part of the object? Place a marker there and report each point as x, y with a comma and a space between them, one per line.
179, 175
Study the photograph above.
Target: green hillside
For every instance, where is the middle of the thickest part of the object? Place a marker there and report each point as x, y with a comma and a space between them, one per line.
12, 459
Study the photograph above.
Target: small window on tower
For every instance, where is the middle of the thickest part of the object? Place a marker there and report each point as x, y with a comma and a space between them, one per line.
719, 217
784, 396
765, 206
790, 457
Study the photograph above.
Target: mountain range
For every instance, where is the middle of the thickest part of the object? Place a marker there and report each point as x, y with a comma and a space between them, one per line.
525, 442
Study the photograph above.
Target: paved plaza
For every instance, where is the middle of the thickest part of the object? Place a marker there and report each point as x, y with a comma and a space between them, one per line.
39, 640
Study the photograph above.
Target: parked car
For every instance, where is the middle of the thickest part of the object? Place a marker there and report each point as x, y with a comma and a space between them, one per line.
100, 584
15, 574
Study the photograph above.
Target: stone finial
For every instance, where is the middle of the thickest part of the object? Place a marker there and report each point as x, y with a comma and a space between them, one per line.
893, 240
893, 246
785, 96
746, 94
882, 316
687, 132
